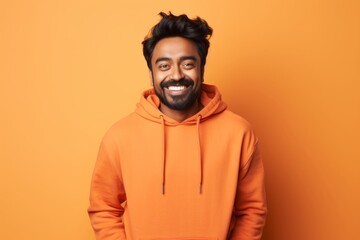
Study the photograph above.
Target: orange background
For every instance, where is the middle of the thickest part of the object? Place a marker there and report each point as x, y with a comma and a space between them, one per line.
69, 69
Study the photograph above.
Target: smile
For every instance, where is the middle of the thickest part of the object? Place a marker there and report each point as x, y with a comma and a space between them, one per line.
176, 88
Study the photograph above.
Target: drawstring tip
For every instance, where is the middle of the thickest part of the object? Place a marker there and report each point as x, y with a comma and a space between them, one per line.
163, 189
200, 188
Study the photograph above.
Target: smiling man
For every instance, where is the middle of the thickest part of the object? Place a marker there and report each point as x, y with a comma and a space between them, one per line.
176, 77
181, 166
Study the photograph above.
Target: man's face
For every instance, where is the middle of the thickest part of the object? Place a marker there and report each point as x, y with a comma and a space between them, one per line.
176, 72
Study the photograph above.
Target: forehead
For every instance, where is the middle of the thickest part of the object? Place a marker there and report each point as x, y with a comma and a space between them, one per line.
174, 48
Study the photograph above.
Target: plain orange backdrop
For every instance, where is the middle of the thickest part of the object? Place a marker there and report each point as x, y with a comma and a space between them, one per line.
69, 69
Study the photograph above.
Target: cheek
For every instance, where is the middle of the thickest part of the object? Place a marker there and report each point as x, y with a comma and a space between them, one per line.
195, 76
157, 78
160, 76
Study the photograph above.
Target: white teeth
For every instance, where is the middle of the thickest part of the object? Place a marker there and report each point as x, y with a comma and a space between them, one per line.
176, 88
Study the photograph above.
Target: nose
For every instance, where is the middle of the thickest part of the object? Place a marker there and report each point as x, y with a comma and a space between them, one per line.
177, 73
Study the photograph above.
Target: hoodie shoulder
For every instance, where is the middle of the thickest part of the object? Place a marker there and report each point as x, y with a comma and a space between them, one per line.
237, 119
237, 124
122, 127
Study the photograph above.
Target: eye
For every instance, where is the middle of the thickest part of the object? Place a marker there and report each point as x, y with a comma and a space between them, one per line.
188, 65
164, 66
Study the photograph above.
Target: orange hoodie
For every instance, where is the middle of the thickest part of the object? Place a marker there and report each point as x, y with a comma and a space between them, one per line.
156, 178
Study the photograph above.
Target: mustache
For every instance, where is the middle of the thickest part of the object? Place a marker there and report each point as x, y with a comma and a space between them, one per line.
181, 82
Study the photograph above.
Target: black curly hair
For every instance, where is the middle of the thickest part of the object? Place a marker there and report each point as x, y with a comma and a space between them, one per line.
197, 30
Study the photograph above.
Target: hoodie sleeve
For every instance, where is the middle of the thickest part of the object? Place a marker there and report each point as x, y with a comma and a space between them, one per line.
250, 204
107, 195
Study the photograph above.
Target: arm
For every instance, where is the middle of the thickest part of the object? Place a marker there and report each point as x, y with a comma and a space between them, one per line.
107, 195
250, 204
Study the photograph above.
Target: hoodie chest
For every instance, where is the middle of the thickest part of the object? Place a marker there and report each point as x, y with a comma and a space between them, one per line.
168, 158
182, 151
180, 157
175, 148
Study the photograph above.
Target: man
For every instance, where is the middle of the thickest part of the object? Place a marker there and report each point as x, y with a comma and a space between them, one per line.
181, 166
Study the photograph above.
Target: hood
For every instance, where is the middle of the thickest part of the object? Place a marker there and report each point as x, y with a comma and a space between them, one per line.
210, 98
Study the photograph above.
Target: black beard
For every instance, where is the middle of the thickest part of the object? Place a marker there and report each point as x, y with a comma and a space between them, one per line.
178, 103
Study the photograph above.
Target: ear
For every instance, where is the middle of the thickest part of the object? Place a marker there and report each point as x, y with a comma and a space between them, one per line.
151, 78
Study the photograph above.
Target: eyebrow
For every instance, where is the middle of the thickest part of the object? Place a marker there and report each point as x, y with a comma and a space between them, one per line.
181, 59
188, 58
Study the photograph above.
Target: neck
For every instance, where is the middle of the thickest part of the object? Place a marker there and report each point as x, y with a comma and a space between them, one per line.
181, 115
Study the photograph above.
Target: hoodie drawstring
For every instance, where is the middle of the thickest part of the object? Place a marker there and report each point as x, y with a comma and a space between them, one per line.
164, 153
199, 152
198, 119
